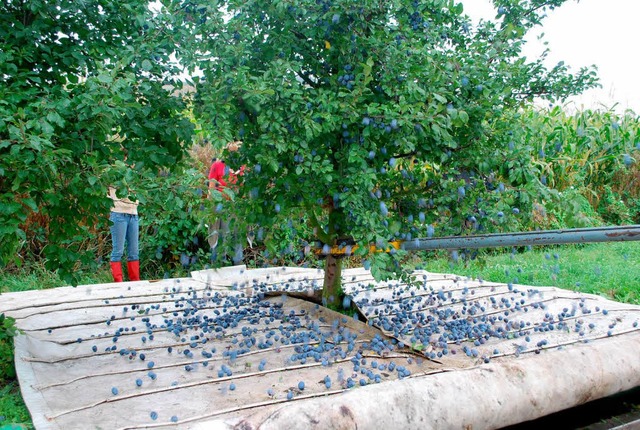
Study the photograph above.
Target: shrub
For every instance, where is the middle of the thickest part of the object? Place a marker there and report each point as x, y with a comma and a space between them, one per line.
8, 331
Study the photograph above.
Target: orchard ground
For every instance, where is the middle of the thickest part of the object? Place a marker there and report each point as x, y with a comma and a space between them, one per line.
335, 378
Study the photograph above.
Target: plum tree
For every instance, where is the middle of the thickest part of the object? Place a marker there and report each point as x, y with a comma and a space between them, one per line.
365, 121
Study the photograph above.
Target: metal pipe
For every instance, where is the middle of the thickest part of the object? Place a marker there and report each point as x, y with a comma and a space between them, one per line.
543, 237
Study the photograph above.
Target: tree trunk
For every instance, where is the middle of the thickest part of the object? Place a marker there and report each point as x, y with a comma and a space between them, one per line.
332, 293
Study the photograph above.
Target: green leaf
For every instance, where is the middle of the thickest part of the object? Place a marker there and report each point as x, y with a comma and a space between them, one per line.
30, 203
54, 117
440, 98
46, 129
105, 78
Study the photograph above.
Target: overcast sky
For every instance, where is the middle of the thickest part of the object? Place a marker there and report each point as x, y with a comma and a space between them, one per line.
601, 32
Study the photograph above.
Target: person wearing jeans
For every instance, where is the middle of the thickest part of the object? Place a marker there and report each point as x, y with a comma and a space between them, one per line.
124, 229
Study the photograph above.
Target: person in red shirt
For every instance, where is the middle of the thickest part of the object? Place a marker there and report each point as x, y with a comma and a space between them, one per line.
216, 174
220, 176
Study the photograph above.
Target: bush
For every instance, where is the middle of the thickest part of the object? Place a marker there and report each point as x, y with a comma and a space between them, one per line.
173, 219
613, 209
8, 331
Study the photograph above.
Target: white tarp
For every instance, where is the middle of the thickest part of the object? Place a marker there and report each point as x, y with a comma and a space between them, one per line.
225, 349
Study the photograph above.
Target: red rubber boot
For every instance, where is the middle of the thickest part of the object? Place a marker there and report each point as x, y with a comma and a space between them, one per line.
133, 268
116, 271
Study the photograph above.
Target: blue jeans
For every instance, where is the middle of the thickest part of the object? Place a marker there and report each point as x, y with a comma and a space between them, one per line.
124, 227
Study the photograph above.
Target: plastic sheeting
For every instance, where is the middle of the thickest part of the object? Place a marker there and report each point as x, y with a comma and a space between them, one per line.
228, 348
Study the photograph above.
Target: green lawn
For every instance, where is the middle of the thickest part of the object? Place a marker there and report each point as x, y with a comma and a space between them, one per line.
608, 269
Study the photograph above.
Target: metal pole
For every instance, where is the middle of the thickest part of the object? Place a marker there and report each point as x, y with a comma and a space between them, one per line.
544, 237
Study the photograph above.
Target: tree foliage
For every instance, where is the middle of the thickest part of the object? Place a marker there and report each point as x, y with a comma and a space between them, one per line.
362, 121
79, 83
371, 120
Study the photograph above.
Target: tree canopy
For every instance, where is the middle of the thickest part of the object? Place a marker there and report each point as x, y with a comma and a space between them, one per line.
362, 121
370, 121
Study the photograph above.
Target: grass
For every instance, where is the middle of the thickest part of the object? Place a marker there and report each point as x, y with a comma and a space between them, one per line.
12, 408
39, 278
611, 270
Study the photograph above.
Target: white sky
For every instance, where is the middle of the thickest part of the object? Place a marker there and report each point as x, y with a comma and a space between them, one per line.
601, 32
